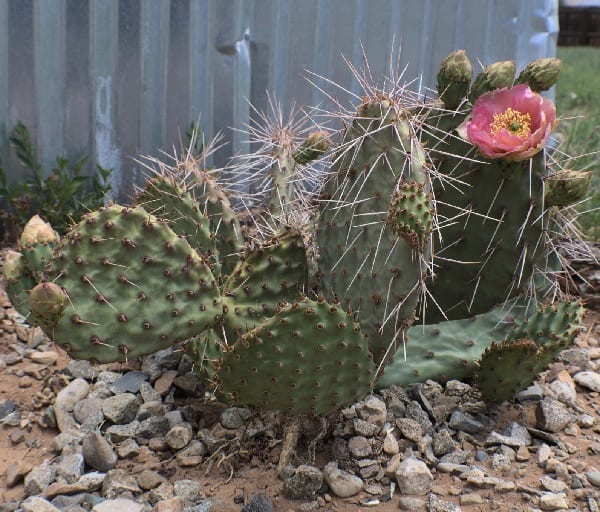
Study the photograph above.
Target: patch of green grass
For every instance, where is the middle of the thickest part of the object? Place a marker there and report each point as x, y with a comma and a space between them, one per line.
578, 105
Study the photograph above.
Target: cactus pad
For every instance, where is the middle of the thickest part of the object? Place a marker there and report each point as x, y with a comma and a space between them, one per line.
567, 187
18, 281
134, 286
310, 357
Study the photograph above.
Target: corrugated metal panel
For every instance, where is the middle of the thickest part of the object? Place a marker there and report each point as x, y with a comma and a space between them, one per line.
119, 78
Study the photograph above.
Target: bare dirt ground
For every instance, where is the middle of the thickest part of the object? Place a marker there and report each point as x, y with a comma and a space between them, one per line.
249, 472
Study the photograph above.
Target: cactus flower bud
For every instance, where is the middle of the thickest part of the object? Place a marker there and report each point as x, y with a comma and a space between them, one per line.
494, 76
540, 74
454, 78
48, 302
315, 145
36, 231
566, 187
14, 266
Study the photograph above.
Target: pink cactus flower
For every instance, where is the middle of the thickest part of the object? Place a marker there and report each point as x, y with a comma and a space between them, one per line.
512, 123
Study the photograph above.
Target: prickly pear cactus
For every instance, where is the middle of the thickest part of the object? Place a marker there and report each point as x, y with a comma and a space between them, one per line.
373, 232
511, 365
309, 357
494, 223
133, 287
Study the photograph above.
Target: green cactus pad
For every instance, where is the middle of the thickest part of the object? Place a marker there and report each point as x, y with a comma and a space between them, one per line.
494, 76
492, 225
134, 286
567, 187
310, 357
168, 201
449, 350
37, 243
540, 74
18, 281
410, 214
265, 276
454, 78
512, 365
363, 262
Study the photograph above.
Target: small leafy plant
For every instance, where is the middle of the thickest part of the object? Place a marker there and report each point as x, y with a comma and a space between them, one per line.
61, 196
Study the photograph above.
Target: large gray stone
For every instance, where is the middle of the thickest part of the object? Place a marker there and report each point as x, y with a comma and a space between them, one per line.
342, 483
98, 452
413, 477
121, 408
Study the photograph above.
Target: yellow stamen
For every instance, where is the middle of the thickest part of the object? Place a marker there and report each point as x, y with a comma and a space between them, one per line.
517, 123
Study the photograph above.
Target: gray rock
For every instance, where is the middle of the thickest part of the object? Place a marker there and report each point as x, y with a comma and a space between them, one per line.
70, 467
148, 393
37, 504
88, 412
589, 380
149, 479
92, 481
564, 390
65, 402
303, 484
553, 485
128, 448
259, 503
373, 410
593, 477
39, 478
80, 369
341, 483
360, 447
190, 491
533, 392
149, 409
413, 477
129, 383
436, 504
121, 408
179, 436
120, 504
163, 492
552, 501
118, 484
205, 506
67, 442
195, 448
98, 452
442, 443
552, 415
390, 444
464, 422
6, 407
410, 429
119, 433
412, 503
234, 417
155, 426
364, 428
414, 411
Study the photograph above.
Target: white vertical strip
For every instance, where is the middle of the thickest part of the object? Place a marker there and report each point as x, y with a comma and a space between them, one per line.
154, 40
4, 75
49, 57
201, 64
279, 63
104, 41
321, 50
242, 73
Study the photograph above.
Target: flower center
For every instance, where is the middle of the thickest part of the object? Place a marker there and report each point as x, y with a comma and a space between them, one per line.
515, 122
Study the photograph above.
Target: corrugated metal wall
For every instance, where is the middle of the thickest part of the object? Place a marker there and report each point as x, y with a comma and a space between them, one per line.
119, 78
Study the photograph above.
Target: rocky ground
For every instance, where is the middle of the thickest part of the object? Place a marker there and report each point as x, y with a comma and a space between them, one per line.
147, 437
